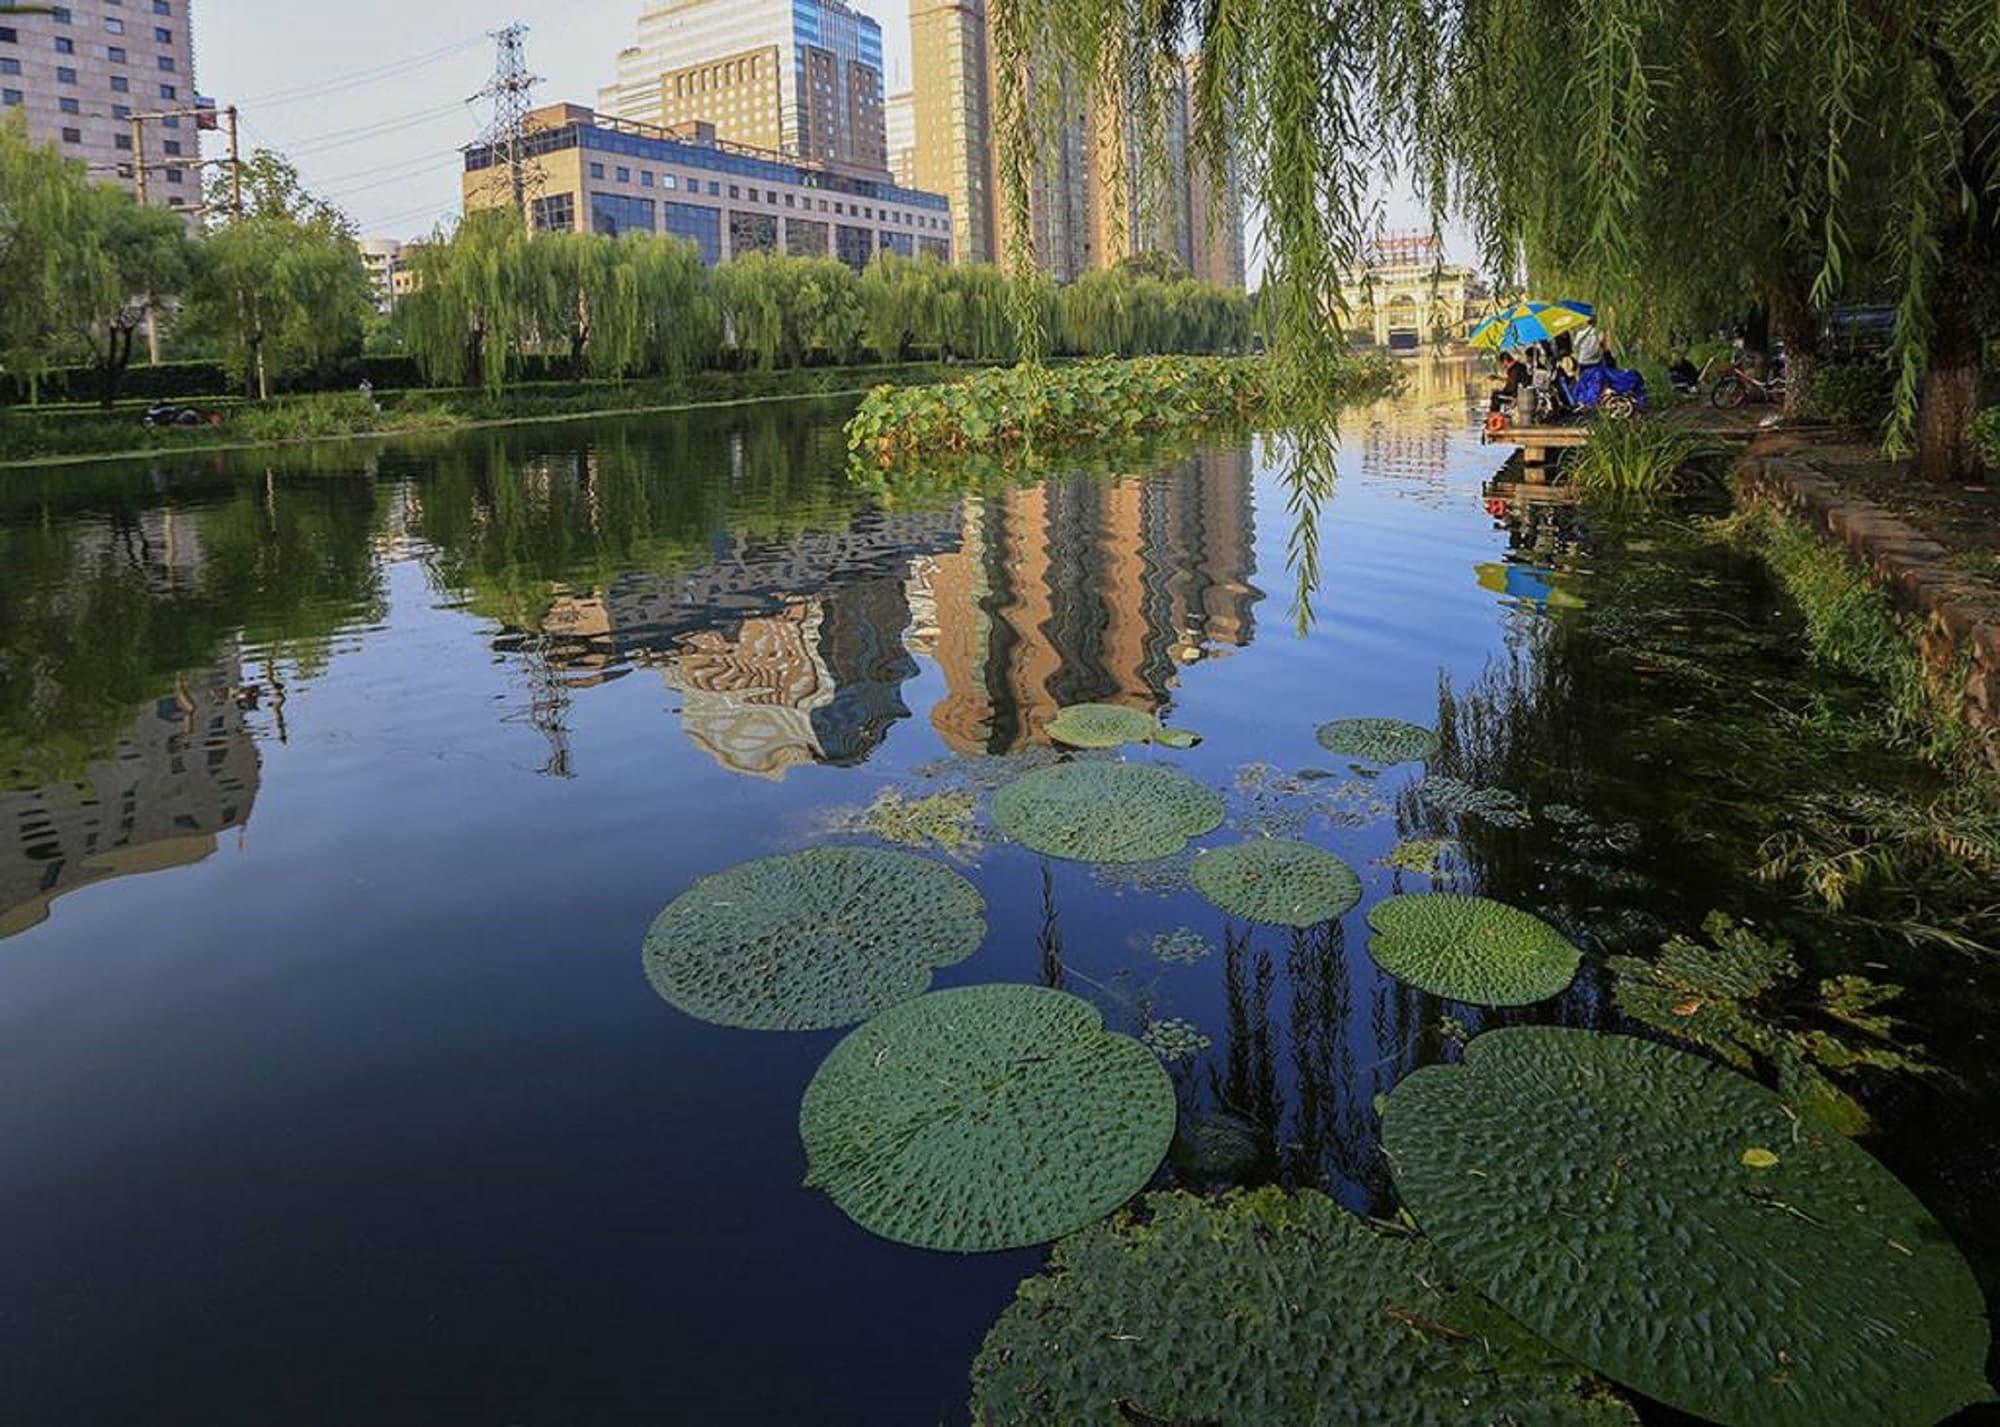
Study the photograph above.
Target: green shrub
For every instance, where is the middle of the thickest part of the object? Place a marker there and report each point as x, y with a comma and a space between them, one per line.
1986, 436
1641, 457
1851, 393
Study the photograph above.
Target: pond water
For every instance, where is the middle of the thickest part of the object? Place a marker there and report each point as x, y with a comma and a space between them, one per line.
341, 785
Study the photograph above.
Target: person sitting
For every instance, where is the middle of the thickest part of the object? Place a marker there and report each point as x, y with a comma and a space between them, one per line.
1513, 377
1589, 347
1683, 374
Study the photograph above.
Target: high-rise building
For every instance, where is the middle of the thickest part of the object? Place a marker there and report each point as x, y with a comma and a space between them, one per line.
900, 124
82, 73
799, 77
950, 103
1215, 204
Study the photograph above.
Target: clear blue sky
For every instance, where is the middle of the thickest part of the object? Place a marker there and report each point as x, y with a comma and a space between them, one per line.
367, 96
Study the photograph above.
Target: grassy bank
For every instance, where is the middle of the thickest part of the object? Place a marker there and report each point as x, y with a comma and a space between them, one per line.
28, 435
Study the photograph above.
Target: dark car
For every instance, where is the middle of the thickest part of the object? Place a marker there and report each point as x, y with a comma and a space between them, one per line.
1850, 331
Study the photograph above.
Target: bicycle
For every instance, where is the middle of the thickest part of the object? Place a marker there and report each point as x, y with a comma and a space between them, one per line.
1739, 384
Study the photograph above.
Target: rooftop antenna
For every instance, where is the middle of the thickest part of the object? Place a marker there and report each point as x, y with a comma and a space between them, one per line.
512, 91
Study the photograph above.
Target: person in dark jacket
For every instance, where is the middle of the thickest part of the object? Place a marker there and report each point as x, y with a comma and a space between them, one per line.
1513, 378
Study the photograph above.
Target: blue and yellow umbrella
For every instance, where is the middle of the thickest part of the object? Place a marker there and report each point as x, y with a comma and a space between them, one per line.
1526, 323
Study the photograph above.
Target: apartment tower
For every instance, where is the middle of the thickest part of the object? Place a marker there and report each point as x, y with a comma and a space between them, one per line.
950, 107
797, 77
83, 73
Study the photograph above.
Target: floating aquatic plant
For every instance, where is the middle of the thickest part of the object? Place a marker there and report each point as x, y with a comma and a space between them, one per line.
818, 939
1106, 812
1377, 740
1498, 806
1174, 1039
1182, 946
1292, 884
1602, 1190
1265, 1309
1269, 802
1707, 994
946, 820
1217, 1145
1471, 949
987, 1117
1113, 725
1422, 855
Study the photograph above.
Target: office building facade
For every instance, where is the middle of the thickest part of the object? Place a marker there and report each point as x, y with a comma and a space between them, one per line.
587, 172
80, 75
802, 78
950, 98
900, 122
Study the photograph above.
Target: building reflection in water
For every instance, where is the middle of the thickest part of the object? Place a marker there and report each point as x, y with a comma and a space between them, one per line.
184, 771
1080, 590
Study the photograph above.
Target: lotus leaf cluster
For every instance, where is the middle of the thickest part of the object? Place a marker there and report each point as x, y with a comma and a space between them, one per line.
1675, 1226
1265, 1309
946, 820
987, 1117
1471, 949
1112, 726
1422, 855
819, 939
1290, 884
1378, 740
1106, 812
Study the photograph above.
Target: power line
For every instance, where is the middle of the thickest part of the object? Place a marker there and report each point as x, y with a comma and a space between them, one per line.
280, 97
340, 138
433, 167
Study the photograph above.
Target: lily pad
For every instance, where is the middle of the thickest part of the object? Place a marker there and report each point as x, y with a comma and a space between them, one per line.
1106, 812
1183, 946
1265, 1309
1377, 740
1291, 884
1112, 725
1597, 1188
819, 939
1471, 949
988, 1117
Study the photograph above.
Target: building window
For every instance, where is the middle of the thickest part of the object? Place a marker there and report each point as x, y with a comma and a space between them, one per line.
120, 84
805, 238
161, 7
65, 75
165, 37
60, 15
122, 141
668, 181
116, 54
645, 178
166, 63
11, 97
853, 246
734, 191
624, 174
121, 111
614, 213
9, 35
113, 25
699, 224
69, 106
65, 45
555, 213
714, 189
173, 175
173, 148
172, 121
167, 91
72, 136
752, 233
10, 66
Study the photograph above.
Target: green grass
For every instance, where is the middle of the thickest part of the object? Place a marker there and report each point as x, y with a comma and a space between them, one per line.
1643, 457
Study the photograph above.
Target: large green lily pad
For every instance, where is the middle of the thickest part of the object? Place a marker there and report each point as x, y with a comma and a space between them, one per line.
1471, 949
1269, 879
1265, 1310
1113, 725
1604, 1191
987, 1117
1106, 812
819, 939
1377, 740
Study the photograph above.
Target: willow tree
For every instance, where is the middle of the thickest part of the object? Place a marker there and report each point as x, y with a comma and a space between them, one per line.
473, 301
1672, 156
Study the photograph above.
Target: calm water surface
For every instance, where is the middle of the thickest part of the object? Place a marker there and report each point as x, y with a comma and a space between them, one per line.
337, 791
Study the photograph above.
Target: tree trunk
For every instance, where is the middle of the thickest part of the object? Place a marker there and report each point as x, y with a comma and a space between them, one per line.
1950, 394
111, 372
1792, 323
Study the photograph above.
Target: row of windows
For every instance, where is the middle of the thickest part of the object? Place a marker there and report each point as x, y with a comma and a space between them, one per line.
614, 214
647, 179
62, 15
67, 46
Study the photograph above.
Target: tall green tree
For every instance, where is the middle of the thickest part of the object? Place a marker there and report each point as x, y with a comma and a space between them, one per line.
41, 196
125, 264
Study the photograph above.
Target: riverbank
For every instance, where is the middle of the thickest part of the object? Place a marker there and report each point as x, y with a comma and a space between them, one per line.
30, 439
1923, 558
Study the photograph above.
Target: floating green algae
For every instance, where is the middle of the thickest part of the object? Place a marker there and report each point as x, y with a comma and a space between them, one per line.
1601, 1189
1471, 949
1182, 946
1265, 1309
1377, 740
945, 820
1173, 1039
1422, 855
1291, 884
814, 940
1106, 812
987, 1117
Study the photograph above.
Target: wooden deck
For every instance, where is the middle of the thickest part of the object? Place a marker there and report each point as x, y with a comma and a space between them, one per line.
1536, 442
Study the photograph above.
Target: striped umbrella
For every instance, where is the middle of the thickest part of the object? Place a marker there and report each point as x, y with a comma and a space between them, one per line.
1528, 322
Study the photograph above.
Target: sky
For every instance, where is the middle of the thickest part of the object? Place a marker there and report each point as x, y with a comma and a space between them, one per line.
369, 97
